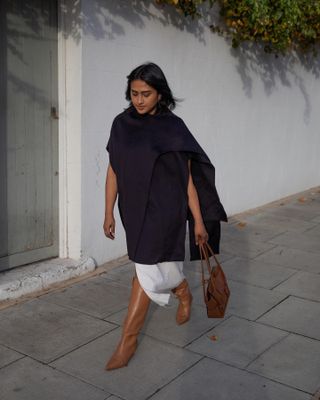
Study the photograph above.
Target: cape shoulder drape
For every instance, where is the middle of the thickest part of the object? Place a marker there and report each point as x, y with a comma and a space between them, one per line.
135, 145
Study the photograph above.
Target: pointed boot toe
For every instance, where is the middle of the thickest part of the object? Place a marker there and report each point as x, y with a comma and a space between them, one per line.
116, 362
137, 310
124, 351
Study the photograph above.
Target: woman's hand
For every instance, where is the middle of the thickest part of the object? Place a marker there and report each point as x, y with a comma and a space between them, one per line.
200, 233
109, 226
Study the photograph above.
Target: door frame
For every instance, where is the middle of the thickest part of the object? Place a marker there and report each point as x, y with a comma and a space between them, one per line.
69, 99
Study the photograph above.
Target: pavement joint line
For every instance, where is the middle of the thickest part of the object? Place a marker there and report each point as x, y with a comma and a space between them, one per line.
276, 235
81, 345
300, 297
291, 276
14, 361
272, 345
289, 332
294, 248
255, 373
275, 381
263, 251
80, 311
257, 255
176, 377
113, 313
13, 349
272, 307
249, 284
86, 313
116, 395
310, 229
163, 341
207, 331
285, 279
57, 358
241, 317
285, 267
78, 378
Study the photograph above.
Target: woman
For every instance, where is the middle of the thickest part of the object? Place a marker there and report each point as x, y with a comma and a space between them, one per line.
164, 179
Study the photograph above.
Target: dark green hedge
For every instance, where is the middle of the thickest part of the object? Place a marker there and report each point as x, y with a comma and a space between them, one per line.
280, 25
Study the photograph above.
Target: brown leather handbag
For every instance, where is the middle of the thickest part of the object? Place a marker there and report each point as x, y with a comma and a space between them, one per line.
216, 292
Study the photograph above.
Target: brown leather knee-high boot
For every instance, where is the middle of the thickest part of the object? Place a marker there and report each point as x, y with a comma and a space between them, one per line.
137, 311
182, 292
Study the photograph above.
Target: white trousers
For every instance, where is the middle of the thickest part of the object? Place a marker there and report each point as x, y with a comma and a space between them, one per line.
157, 280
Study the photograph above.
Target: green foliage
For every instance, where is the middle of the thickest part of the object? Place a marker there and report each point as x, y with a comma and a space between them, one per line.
280, 25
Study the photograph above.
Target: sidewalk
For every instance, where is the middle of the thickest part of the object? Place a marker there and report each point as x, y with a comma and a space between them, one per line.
54, 347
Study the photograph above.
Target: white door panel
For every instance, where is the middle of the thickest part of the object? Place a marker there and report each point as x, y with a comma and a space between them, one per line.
29, 137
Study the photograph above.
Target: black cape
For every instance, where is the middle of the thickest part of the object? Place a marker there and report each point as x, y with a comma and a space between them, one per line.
145, 150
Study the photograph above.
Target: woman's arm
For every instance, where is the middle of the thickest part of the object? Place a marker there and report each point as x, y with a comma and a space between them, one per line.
201, 234
111, 191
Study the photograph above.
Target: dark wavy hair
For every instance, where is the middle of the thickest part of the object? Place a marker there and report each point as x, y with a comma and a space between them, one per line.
152, 74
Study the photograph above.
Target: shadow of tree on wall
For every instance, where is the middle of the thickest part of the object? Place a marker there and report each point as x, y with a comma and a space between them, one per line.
107, 19
97, 18
286, 70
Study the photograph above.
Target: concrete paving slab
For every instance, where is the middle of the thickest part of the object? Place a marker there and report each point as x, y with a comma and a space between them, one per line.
314, 231
161, 324
316, 220
246, 301
292, 258
210, 379
97, 297
295, 212
305, 241
238, 341
250, 231
153, 366
122, 274
309, 204
244, 248
295, 315
28, 379
193, 277
7, 356
196, 264
302, 284
112, 397
46, 331
279, 222
256, 273
295, 361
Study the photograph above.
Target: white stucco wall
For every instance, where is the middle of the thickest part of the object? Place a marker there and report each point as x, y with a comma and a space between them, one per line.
258, 122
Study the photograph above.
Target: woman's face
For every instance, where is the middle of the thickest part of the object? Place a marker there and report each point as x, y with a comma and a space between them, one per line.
144, 97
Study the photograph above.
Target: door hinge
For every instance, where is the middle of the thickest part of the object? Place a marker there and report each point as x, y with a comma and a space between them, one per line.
54, 113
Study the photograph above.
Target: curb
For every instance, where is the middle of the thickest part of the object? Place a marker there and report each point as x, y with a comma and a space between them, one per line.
40, 276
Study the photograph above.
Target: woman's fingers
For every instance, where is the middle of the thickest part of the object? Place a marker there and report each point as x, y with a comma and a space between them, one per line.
201, 239
109, 230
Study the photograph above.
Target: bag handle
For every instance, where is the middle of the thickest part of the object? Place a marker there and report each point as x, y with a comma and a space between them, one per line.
212, 253
203, 281
204, 254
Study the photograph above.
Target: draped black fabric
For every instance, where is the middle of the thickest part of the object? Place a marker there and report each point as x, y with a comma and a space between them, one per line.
149, 155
